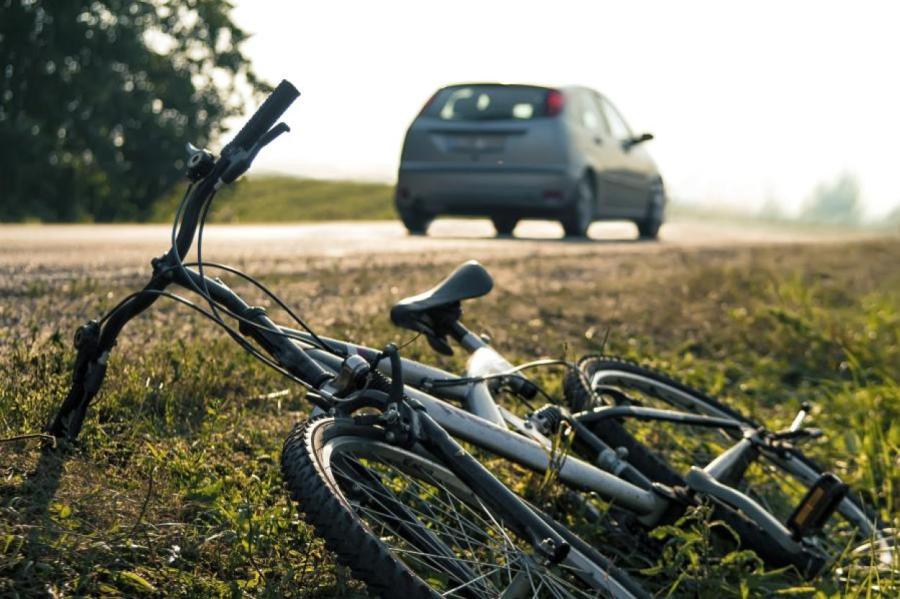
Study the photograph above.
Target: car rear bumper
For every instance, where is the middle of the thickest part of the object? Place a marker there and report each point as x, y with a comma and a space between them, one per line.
484, 190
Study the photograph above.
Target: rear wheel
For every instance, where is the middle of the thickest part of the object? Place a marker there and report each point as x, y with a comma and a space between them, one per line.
505, 225
665, 451
648, 227
415, 221
580, 213
407, 527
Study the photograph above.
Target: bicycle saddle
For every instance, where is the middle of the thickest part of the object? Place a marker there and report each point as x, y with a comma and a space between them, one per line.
434, 311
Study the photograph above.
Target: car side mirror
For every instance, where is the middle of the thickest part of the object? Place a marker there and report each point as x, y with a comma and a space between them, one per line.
630, 143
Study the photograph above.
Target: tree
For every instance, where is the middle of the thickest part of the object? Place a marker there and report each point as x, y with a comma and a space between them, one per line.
893, 217
98, 97
835, 203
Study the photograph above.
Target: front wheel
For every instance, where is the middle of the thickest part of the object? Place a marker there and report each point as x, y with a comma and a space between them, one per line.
407, 527
648, 227
415, 221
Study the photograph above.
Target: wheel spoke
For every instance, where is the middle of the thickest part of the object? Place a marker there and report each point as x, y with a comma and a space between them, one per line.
433, 528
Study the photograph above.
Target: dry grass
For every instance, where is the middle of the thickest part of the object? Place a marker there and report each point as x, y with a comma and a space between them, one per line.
175, 489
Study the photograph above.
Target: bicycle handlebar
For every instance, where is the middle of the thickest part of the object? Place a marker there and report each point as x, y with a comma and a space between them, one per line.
264, 118
230, 165
236, 157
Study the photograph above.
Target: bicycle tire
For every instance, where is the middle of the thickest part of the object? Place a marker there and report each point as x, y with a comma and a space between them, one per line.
580, 396
316, 462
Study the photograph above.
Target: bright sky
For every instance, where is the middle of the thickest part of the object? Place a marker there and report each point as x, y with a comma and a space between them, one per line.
748, 102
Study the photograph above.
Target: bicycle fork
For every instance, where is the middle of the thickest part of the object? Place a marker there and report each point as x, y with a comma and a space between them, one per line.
87, 377
717, 479
546, 541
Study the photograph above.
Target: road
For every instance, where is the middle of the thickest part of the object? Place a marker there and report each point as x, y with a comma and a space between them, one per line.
63, 251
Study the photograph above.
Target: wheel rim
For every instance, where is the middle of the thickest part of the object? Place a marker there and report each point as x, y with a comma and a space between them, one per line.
776, 482
438, 527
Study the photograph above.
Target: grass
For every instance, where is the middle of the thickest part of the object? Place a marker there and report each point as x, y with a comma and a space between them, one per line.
286, 199
175, 490
282, 198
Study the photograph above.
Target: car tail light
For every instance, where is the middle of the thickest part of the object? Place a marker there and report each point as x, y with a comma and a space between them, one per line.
553, 103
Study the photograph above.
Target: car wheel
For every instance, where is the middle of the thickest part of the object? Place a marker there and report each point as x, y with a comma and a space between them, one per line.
505, 225
416, 222
648, 228
580, 213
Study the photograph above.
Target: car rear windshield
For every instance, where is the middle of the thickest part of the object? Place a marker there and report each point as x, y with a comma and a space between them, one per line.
488, 103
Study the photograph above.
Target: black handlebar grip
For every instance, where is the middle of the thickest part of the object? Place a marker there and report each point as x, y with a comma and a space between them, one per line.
264, 117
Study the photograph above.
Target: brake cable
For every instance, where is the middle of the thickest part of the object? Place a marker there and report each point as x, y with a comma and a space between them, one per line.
521, 367
214, 316
200, 265
236, 335
178, 213
259, 285
317, 399
205, 294
499, 375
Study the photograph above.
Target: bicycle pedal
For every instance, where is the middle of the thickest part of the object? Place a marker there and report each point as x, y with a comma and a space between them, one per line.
819, 503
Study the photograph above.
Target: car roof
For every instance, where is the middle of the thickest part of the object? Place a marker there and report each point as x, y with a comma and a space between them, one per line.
563, 88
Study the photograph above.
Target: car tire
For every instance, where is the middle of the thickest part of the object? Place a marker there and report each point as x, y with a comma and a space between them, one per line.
415, 221
580, 213
505, 225
648, 227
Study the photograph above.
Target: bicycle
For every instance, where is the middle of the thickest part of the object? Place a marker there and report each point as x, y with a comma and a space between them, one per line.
380, 472
454, 527
619, 464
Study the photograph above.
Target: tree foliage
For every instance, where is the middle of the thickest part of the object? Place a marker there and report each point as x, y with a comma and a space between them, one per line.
835, 203
98, 97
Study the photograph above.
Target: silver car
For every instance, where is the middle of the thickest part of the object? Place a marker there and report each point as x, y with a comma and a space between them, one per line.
510, 152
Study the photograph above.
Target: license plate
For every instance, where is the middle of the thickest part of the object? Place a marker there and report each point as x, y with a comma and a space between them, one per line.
477, 143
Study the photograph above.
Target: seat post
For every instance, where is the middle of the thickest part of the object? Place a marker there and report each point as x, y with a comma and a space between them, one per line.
465, 337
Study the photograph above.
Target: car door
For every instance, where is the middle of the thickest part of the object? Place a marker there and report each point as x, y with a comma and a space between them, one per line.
600, 151
633, 169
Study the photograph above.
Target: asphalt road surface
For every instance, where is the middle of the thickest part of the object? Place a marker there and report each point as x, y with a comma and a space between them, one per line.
63, 251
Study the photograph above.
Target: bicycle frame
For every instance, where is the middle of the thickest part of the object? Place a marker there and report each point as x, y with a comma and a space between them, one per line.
512, 438
484, 423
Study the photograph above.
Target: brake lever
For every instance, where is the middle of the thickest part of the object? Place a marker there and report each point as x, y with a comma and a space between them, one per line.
241, 161
393, 354
268, 137
401, 418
